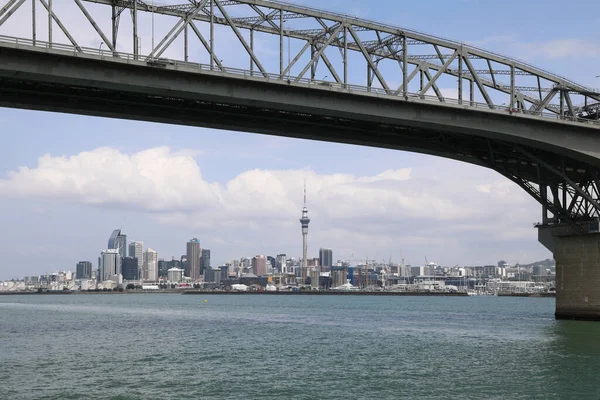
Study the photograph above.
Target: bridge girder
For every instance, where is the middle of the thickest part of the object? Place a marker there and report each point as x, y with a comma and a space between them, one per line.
377, 43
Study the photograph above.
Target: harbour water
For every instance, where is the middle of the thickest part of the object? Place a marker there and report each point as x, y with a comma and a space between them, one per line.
296, 347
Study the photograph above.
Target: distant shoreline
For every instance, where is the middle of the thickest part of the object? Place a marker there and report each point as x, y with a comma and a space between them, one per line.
280, 293
329, 293
210, 292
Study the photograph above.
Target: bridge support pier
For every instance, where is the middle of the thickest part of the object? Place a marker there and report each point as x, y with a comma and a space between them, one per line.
577, 259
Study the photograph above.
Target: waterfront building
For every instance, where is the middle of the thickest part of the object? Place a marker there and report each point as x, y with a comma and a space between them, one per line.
118, 241
424, 270
150, 265
130, 269
213, 276
193, 259
304, 221
136, 250
175, 275
325, 259
315, 274
110, 264
539, 270
339, 275
259, 265
205, 260
83, 270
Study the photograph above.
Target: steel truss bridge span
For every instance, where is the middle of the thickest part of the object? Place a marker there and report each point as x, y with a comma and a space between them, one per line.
325, 76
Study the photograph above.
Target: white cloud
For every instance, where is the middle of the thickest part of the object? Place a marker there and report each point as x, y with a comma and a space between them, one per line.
551, 49
170, 186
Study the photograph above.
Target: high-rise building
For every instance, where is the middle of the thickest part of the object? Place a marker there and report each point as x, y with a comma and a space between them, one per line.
224, 272
245, 264
84, 270
163, 268
110, 264
271, 263
259, 265
136, 250
325, 259
193, 258
130, 269
151, 265
205, 261
304, 221
281, 262
118, 241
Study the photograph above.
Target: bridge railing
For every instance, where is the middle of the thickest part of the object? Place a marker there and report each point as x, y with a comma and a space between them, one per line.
107, 54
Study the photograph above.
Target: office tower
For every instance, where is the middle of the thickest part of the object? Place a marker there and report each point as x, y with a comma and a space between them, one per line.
280, 263
224, 272
163, 268
245, 264
193, 259
259, 265
130, 268
110, 264
205, 261
151, 265
136, 250
118, 241
304, 221
271, 260
84, 270
325, 259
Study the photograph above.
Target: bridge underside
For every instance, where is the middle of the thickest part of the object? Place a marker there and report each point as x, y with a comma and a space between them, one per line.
556, 163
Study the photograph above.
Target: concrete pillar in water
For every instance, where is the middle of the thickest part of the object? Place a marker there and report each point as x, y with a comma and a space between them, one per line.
578, 277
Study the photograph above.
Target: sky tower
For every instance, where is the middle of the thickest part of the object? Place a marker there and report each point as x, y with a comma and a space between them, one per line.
304, 221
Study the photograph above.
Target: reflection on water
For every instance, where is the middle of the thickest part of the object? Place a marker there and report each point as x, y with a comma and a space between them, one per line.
577, 338
573, 360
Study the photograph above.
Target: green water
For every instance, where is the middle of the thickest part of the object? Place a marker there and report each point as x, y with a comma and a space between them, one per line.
296, 347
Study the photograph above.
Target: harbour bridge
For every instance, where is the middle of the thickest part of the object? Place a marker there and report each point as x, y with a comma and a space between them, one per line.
284, 69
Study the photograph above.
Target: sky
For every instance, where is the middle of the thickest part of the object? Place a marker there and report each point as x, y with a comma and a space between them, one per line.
67, 181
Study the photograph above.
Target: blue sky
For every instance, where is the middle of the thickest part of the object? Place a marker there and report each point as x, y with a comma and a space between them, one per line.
241, 193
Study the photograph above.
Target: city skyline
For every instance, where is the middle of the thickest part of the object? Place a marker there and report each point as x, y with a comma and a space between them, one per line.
64, 175
111, 264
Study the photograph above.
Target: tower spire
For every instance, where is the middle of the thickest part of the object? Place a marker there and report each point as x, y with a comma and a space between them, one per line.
304, 221
304, 192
